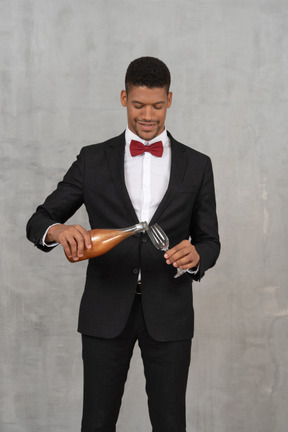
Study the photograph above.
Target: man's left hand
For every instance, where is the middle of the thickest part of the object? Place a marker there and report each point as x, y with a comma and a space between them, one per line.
183, 255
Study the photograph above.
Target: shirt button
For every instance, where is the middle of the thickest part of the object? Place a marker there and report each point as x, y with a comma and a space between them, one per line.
144, 239
135, 271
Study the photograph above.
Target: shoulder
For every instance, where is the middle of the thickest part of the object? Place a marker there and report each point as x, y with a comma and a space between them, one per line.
191, 153
101, 147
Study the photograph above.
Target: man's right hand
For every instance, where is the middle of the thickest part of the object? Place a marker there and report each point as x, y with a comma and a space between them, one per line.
73, 238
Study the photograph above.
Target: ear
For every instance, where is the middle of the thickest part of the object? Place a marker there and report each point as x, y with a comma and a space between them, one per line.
123, 98
170, 94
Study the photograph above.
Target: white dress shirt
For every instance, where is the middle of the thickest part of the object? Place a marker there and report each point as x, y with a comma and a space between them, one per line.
147, 176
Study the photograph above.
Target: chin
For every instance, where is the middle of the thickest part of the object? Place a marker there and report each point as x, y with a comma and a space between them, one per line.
147, 136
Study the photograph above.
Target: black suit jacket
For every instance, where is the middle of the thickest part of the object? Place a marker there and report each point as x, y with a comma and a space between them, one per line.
187, 210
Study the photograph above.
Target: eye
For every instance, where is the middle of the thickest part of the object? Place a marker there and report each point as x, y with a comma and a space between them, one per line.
138, 106
158, 107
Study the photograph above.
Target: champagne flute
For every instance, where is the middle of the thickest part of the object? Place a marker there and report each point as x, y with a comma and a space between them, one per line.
161, 241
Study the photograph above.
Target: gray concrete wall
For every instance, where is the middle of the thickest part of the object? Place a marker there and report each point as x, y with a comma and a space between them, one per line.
62, 66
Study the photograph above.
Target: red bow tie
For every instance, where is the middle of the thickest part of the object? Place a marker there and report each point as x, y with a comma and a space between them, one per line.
137, 148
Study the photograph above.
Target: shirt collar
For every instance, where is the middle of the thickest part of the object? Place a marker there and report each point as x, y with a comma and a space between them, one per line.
129, 136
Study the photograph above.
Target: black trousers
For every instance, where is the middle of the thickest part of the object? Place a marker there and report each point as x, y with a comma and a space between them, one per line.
106, 363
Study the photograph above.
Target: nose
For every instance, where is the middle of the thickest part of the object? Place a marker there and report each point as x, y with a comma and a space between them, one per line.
147, 113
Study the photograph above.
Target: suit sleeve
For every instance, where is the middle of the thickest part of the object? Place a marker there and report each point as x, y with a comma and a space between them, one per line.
60, 205
204, 224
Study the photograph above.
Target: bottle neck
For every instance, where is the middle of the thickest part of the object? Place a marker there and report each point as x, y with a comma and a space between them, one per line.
140, 227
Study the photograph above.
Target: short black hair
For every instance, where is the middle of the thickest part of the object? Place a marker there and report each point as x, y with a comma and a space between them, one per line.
149, 72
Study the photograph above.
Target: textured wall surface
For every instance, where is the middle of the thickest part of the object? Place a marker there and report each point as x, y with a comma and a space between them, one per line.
62, 66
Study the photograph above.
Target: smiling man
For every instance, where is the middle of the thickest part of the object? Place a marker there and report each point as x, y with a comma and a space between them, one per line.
130, 293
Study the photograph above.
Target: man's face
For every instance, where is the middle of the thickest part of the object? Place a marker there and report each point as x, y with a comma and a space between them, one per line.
146, 110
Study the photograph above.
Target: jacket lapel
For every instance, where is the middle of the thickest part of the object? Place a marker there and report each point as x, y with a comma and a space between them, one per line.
115, 157
178, 168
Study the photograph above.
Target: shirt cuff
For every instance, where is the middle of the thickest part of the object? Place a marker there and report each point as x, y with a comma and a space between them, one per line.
43, 243
194, 270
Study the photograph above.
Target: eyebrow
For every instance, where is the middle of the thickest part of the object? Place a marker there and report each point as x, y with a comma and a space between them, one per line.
142, 103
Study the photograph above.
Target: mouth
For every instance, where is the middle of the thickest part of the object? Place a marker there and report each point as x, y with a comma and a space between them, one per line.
146, 126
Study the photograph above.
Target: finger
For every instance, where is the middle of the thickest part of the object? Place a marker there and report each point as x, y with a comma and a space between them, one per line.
66, 246
170, 254
78, 241
74, 249
183, 261
178, 251
189, 261
183, 255
69, 243
86, 236
72, 241
67, 249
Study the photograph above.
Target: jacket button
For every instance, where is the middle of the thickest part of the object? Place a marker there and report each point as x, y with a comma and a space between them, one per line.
135, 271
